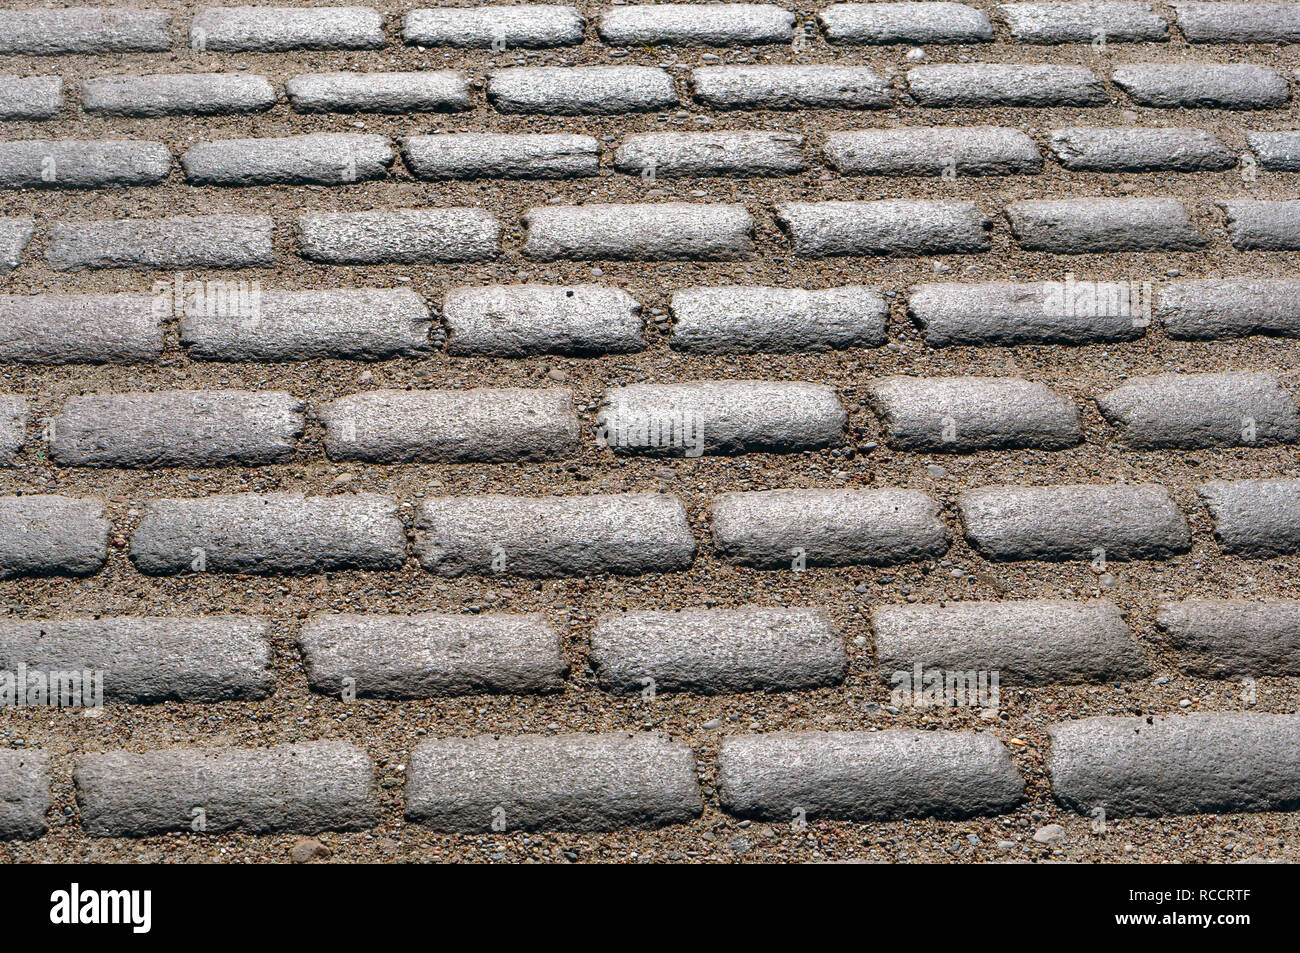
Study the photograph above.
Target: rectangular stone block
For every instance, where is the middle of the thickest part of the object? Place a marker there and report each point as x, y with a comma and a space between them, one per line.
944, 151
1264, 226
1258, 519
494, 27
998, 84
68, 164
696, 24
262, 29
203, 241
95, 30
581, 90
46, 535
711, 154
1084, 22
332, 158
889, 227
1097, 149
177, 94
521, 320
1203, 85
921, 24
14, 415
1210, 309
80, 329
401, 237
1277, 151
15, 233
30, 98
495, 156
740, 319
664, 231
24, 794
1095, 225
1224, 22
1227, 638
791, 87
1189, 411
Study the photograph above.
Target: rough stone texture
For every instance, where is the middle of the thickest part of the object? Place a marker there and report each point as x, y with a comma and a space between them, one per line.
204, 241
961, 414
481, 424
1264, 226
1257, 519
696, 24
1084, 226
999, 84
177, 94
364, 324
83, 30
80, 329
422, 91
1224, 638
147, 660
1224, 22
302, 788
495, 156
400, 237
1187, 411
67, 164
432, 655
1203, 763
14, 415
1277, 151
889, 227
1026, 642
29, 98
866, 776
587, 782
791, 87
922, 24
744, 319
622, 533
1099, 523
46, 535
494, 27
717, 651
945, 151
711, 154
180, 428
1084, 22
1205, 310
720, 417
664, 231
15, 233
24, 794
269, 533
263, 29
789, 529
1099, 149
581, 90
336, 158
520, 320
1203, 85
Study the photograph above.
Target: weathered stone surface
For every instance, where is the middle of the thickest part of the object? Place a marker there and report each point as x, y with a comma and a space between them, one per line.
331, 158
588, 782
80, 329
945, 151
1223, 638
68, 164
15, 233
495, 27
998, 84
790, 529
417, 91
1084, 22
621, 533
177, 94
262, 29
581, 90
45, 535
494, 156
664, 231
711, 154
14, 415
1277, 151
203, 241
1099, 149
24, 794
1045, 312
519, 320
83, 30
889, 227
696, 24
400, 237
717, 651
1264, 226
30, 98
919, 23
1089, 226
432, 655
1203, 85
1230, 307
744, 319
1257, 519
791, 87
1187, 411
1254, 22
866, 775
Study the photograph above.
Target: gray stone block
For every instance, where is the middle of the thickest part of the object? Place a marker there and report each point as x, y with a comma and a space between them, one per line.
744, 319
1096, 149
422, 91
15, 233
1094, 225
94, 30
1257, 519
791, 87
946, 151
203, 241
889, 227
492, 156
1203, 85
922, 24
581, 90
1210, 309
80, 329
1223, 22
494, 27
1084, 22
399, 237
30, 98
696, 24
998, 84
67, 164
521, 320
1047, 312
1225, 638
331, 158
261, 29
14, 415
1264, 226
24, 794
1277, 151
711, 154
1188, 411
45, 535
177, 94
663, 231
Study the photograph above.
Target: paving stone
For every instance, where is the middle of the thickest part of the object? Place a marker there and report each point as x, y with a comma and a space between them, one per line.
423, 91
1203, 85
495, 156
482, 424
744, 319
201, 241
1202, 763
299, 788
663, 231
791, 87
962, 414
890, 227
1046, 312
1025, 642
177, 94
1210, 309
711, 154
999, 84
1277, 151
261, 29
1093, 225
622, 533
143, 660
1120, 521
24, 794
14, 415
180, 428
922, 24
80, 329
68, 164
1224, 638
717, 651
1188, 411
696, 24
83, 30
30, 98
521, 320
581, 90
364, 324
1257, 519
269, 533
1084, 22
1096, 149
720, 417
946, 151
866, 775
46, 535
15, 233
431, 655
331, 158
1264, 226
789, 529
495, 27
399, 237
1239, 22
575, 782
